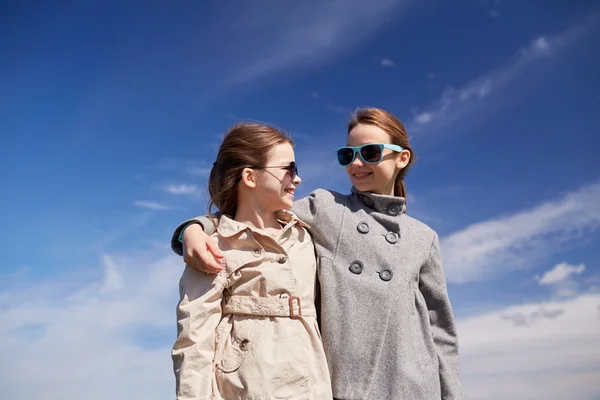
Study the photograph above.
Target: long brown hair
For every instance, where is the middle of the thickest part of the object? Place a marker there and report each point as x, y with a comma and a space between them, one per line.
392, 126
246, 145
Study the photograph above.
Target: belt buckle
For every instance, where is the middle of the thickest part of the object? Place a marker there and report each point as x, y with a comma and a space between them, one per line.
293, 314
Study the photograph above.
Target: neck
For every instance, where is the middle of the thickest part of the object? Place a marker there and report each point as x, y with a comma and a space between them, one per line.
252, 214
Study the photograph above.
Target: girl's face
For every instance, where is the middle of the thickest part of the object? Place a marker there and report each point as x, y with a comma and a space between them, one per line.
375, 178
275, 184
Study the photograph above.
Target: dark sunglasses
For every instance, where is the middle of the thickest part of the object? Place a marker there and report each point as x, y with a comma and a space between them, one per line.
371, 153
291, 168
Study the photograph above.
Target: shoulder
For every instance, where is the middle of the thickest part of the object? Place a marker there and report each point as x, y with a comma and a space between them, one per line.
325, 196
418, 230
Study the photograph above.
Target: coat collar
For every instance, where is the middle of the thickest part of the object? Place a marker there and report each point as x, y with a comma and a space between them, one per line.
229, 227
391, 205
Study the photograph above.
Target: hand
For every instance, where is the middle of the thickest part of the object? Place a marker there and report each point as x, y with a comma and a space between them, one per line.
200, 251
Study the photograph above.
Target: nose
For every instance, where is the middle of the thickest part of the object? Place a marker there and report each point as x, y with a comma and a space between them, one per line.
297, 180
358, 162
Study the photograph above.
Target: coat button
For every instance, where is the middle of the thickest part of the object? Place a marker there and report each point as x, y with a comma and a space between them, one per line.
256, 253
386, 275
284, 296
356, 267
393, 209
282, 259
363, 227
391, 237
244, 344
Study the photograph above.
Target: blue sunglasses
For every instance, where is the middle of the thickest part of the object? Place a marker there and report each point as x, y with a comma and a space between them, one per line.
371, 153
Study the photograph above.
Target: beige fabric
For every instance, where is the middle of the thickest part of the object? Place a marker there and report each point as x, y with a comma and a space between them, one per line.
251, 332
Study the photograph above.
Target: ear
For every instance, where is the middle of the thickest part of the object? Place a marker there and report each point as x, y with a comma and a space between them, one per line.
248, 177
402, 159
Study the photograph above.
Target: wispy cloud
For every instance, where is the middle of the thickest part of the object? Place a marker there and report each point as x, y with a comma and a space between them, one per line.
150, 205
303, 34
200, 171
107, 337
455, 103
561, 272
548, 350
519, 240
183, 189
386, 62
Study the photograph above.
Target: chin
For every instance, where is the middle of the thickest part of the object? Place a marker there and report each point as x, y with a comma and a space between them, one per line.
362, 186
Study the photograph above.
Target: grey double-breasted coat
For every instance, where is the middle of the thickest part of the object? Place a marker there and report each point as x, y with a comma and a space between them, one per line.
386, 321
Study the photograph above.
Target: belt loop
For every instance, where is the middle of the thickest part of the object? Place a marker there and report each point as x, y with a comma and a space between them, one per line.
293, 314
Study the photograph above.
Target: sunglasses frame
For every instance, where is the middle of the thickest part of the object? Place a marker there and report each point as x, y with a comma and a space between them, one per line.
291, 168
357, 150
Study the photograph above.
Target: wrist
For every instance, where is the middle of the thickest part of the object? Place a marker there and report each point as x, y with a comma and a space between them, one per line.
185, 228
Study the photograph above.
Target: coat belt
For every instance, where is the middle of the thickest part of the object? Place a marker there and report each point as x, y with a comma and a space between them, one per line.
290, 307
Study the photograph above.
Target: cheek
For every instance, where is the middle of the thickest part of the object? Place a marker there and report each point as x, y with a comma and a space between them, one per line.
385, 171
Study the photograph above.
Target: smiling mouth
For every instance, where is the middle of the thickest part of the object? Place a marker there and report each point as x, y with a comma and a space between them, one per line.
362, 175
290, 191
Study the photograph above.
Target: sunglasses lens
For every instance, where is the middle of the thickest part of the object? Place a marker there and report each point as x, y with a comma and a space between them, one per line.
293, 169
345, 156
371, 153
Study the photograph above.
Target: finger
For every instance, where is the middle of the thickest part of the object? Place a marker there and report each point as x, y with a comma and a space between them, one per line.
209, 263
192, 262
214, 250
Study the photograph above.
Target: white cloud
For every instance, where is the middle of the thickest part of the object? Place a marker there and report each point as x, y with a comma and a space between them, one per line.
561, 272
92, 335
499, 245
540, 45
113, 281
293, 35
387, 62
201, 171
110, 336
424, 118
548, 350
455, 103
183, 189
150, 205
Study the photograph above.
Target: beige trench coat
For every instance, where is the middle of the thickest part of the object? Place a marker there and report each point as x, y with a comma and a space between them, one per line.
251, 332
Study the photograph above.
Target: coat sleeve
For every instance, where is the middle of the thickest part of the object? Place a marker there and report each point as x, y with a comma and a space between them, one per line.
198, 315
432, 284
204, 221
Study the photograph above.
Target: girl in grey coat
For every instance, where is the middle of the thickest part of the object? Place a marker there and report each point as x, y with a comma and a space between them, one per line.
386, 320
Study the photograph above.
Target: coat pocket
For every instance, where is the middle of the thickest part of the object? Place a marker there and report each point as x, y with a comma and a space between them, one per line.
244, 333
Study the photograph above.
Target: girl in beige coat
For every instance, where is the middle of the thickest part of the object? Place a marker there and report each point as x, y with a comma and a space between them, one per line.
251, 332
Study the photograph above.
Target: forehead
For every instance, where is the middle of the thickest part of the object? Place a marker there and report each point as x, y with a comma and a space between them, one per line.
362, 134
283, 153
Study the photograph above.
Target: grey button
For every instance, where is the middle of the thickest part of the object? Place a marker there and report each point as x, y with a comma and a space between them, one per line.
284, 296
282, 260
244, 344
363, 227
256, 253
386, 275
391, 237
356, 267
393, 209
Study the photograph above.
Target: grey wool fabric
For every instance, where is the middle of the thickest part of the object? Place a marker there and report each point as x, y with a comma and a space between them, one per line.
386, 320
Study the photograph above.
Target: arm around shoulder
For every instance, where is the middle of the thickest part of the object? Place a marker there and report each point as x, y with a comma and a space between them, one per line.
176, 240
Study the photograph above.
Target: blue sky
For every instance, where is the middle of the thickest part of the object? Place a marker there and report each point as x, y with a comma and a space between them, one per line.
111, 114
